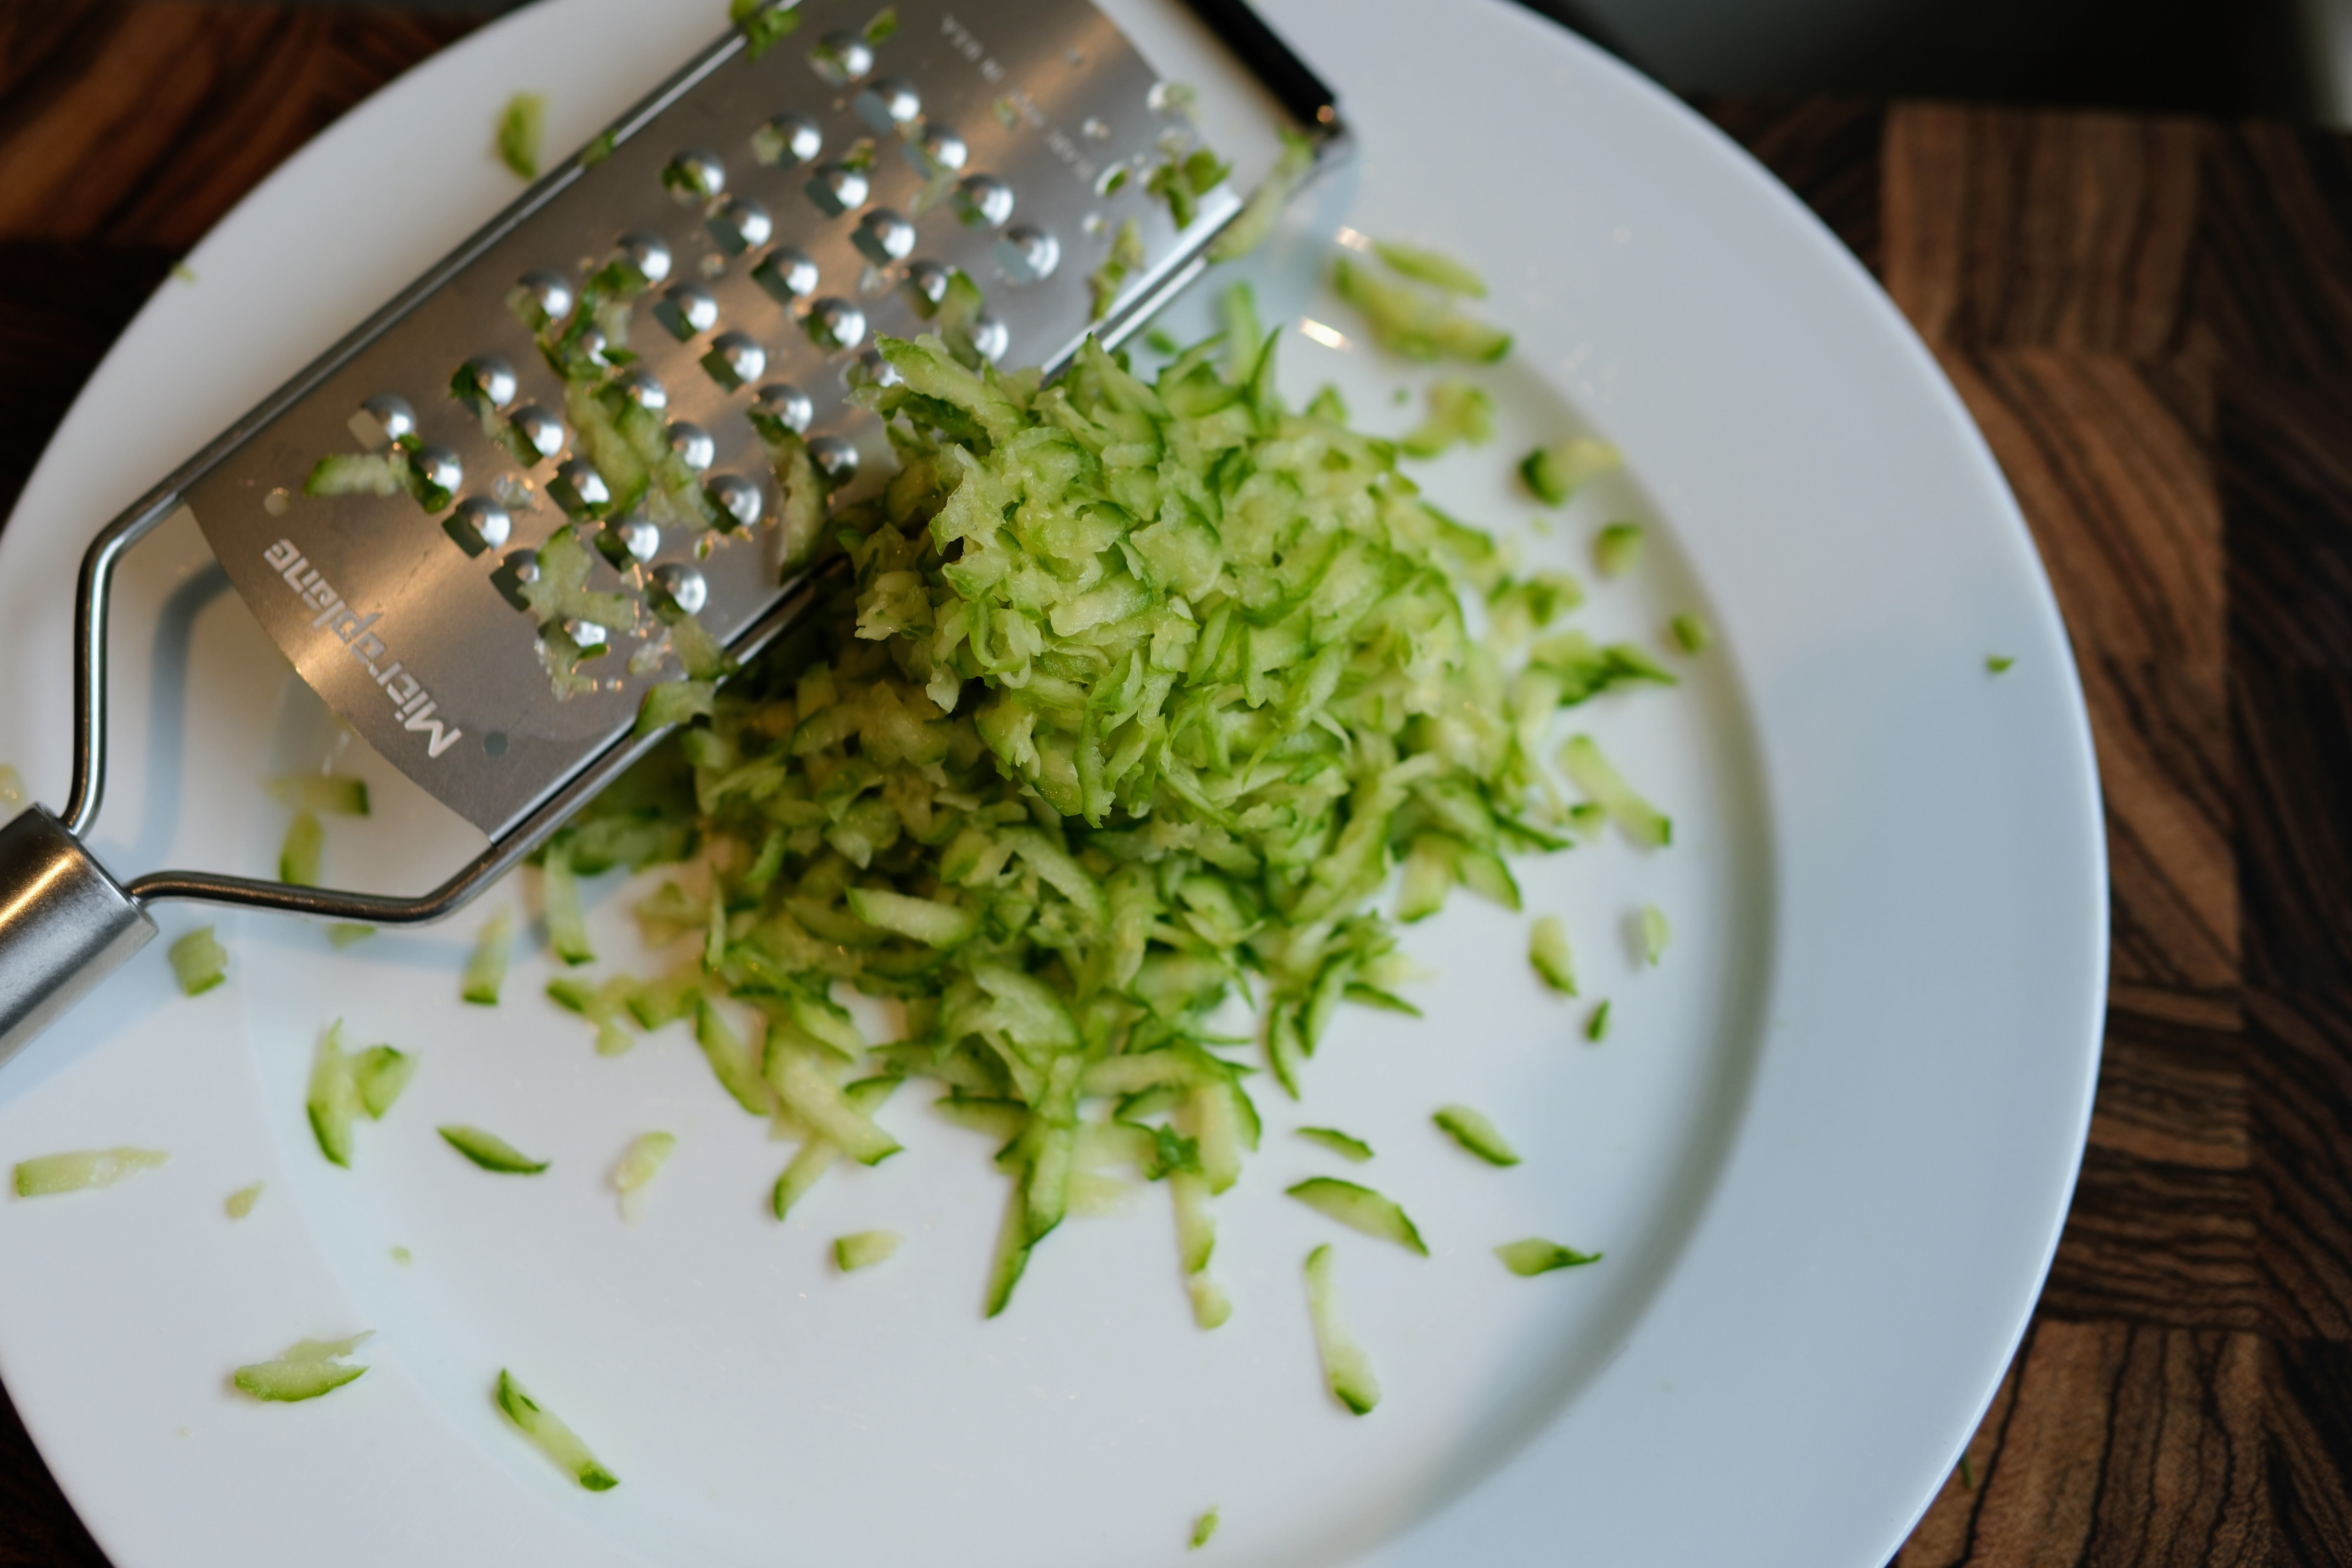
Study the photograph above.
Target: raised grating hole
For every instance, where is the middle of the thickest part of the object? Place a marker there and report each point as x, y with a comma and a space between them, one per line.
648, 254
489, 379
383, 419
782, 403
640, 388
990, 338
735, 360
1027, 253
787, 274
835, 324
537, 434
841, 57
480, 524
438, 467
736, 498
888, 103
629, 538
541, 297
687, 311
579, 488
884, 236
682, 586
693, 446
739, 225
835, 459
787, 142
837, 188
983, 200
694, 177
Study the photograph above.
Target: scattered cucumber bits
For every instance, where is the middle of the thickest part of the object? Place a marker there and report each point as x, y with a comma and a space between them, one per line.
1264, 205
330, 795
1132, 696
1691, 632
297, 859
567, 925
1472, 1129
1202, 1529
486, 972
818, 1154
1556, 472
490, 1151
333, 1100
379, 1073
1361, 1209
1998, 663
764, 23
344, 934
522, 127
1459, 411
1412, 324
1596, 1028
1346, 1367
48, 1174
1617, 549
199, 961
1433, 268
1655, 934
640, 1163
1642, 823
1338, 1143
605, 1005
1536, 1256
241, 1202
554, 1439
1548, 952
865, 1249
303, 1370
1127, 253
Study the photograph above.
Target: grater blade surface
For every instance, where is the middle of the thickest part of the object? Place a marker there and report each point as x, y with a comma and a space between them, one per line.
403, 619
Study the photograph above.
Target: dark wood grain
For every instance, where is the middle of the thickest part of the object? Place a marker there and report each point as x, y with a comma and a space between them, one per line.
2151, 320
143, 125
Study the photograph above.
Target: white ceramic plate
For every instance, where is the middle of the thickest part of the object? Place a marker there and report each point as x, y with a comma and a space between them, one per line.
1826, 1147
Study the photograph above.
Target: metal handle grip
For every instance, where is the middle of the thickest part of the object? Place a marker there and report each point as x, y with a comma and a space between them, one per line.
65, 925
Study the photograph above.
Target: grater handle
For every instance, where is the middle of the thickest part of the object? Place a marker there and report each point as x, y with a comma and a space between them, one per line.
65, 925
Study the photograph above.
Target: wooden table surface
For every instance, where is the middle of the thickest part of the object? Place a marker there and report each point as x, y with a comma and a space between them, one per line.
2152, 321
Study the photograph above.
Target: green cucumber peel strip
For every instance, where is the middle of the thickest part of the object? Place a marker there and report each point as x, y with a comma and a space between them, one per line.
1338, 1143
552, 1437
199, 961
522, 126
1359, 1209
639, 1163
305, 1370
1536, 1256
489, 1150
486, 970
865, 1248
1548, 950
1474, 1131
48, 1175
1592, 773
332, 1101
378, 1075
1346, 1368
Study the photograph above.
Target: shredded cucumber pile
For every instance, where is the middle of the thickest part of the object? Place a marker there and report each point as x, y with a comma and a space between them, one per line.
1133, 697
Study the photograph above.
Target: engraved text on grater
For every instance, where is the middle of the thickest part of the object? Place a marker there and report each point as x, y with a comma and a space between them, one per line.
411, 702
1057, 141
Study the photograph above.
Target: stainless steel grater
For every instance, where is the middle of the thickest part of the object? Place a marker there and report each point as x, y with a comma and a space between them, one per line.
784, 210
